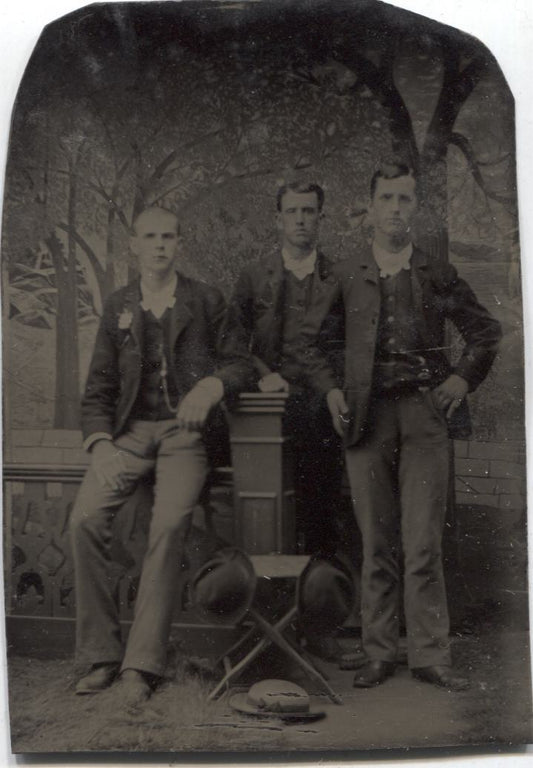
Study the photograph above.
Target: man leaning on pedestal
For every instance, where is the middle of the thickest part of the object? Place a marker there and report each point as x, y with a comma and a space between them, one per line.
160, 366
270, 301
399, 402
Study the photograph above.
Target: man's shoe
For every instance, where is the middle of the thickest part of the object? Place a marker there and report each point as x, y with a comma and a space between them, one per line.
442, 676
98, 679
373, 673
133, 688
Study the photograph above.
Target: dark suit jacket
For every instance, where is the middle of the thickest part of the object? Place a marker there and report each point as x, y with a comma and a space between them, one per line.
198, 349
438, 294
255, 312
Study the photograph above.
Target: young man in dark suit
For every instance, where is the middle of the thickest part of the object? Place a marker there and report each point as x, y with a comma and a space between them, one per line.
270, 301
399, 402
159, 368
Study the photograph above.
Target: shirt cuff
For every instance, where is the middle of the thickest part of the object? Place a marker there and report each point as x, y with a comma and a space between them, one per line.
214, 386
92, 439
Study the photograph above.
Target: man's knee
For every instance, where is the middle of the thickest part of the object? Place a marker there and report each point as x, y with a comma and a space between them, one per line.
86, 522
88, 516
423, 561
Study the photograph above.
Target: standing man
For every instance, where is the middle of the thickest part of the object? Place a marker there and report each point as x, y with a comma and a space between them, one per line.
153, 383
400, 400
269, 304
271, 299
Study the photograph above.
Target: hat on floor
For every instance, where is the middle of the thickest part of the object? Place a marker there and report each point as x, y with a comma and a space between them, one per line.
223, 588
275, 699
325, 595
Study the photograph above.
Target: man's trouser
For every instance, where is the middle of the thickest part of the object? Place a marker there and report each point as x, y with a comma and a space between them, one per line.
318, 470
399, 484
179, 462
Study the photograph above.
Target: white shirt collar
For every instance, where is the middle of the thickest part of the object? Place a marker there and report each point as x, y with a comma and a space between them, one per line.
391, 263
158, 301
300, 268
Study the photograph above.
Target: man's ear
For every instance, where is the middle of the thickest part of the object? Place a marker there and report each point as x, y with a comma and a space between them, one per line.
279, 222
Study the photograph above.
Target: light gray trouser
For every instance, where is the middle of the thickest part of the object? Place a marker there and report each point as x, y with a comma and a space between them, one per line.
399, 485
179, 461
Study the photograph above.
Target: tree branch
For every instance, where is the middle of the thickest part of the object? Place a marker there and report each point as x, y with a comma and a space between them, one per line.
100, 190
381, 83
456, 88
462, 143
86, 248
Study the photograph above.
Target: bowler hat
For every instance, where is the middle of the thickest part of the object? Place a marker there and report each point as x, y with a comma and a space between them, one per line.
276, 699
325, 595
223, 588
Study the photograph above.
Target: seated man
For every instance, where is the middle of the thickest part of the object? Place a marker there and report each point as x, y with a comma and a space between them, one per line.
160, 365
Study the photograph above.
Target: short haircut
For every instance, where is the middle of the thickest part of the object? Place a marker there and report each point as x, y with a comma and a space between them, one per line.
154, 208
390, 169
302, 189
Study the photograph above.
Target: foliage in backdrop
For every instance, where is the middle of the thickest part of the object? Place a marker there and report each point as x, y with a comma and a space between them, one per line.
206, 108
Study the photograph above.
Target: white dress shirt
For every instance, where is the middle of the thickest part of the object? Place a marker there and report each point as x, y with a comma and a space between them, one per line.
158, 301
391, 263
300, 268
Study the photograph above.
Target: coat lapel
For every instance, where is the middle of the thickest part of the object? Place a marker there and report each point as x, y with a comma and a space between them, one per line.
367, 297
369, 267
181, 313
418, 284
325, 273
132, 303
276, 286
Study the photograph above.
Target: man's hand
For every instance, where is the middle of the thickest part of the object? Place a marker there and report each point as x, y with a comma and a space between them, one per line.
109, 466
195, 406
450, 393
273, 382
338, 409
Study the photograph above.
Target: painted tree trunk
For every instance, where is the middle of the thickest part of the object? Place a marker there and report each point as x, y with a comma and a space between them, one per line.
67, 389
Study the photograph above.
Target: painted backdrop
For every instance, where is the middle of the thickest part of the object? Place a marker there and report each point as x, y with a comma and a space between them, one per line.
206, 108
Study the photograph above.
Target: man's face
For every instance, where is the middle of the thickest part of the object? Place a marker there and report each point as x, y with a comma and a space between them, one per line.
298, 219
155, 241
393, 207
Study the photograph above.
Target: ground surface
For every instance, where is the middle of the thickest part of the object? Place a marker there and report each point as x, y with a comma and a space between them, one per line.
46, 716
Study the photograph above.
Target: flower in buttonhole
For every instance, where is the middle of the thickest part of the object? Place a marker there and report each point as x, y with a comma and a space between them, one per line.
124, 320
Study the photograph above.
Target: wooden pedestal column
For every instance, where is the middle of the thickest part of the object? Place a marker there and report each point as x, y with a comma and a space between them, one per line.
263, 475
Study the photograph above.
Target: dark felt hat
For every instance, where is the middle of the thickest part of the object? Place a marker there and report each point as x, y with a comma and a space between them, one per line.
275, 699
325, 595
223, 588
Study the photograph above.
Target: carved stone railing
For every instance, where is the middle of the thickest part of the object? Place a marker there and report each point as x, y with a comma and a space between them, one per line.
251, 505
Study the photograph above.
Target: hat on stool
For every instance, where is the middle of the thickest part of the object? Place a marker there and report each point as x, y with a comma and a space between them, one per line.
276, 699
223, 588
325, 595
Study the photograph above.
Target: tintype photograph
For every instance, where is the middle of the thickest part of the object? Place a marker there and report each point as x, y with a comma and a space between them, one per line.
264, 479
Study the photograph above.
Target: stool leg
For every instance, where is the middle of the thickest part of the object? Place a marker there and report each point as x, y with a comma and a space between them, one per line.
264, 643
235, 671
235, 647
310, 660
274, 634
